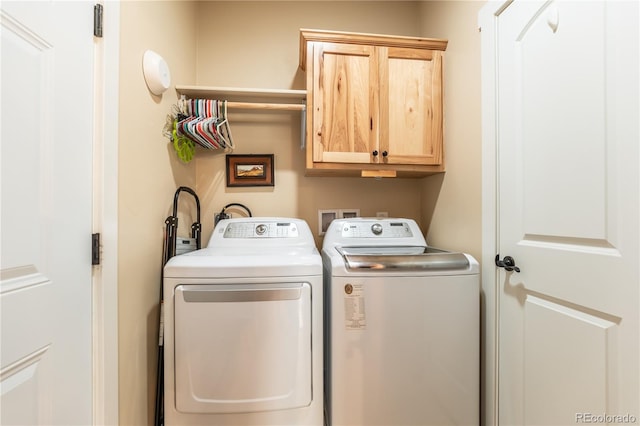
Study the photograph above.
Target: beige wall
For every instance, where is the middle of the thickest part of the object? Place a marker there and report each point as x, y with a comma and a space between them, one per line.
452, 201
267, 57
208, 43
255, 43
148, 176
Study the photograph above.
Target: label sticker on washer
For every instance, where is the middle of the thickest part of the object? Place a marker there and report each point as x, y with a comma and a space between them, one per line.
354, 314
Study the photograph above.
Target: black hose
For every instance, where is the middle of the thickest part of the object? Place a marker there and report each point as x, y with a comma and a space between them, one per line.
238, 205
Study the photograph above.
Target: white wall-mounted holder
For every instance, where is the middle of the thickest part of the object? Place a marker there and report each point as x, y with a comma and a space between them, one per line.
156, 72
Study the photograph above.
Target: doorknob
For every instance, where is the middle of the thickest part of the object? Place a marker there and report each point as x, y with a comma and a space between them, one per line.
508, 263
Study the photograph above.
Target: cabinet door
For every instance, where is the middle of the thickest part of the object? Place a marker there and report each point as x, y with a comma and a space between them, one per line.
345, 115
410, 105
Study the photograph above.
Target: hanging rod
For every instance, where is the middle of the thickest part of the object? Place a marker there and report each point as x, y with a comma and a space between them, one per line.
257, 105
224, 92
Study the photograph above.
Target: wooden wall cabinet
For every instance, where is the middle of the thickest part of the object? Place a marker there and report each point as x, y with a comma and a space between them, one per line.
374, 104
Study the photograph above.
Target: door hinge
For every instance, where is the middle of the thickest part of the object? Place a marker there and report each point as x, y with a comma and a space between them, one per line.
95, 249
97, 20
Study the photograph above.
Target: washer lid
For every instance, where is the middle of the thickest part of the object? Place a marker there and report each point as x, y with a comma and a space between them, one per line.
402, 258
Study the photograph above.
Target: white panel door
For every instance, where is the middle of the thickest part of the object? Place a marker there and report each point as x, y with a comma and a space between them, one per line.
568, 195
46, 155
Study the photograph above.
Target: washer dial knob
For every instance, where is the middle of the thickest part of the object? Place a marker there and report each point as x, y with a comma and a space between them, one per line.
261, 229
376, 228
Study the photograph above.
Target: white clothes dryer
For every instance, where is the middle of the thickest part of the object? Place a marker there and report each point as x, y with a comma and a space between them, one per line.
243, 327
402, 327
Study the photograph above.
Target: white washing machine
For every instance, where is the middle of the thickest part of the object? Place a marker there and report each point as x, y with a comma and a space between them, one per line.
243, 327
401, 327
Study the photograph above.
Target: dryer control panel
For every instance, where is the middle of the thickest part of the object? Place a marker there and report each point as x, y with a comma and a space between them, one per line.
265, 234
261, 230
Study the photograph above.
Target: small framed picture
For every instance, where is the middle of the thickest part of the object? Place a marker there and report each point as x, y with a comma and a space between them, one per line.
250, 170
325, 217
348, 213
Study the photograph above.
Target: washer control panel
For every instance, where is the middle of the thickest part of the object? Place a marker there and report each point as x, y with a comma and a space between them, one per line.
382, 229
261, 230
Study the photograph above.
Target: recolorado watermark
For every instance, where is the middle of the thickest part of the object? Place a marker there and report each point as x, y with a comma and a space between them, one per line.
606, 418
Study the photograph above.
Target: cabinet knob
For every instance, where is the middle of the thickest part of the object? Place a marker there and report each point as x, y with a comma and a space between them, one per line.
375, 153
385, 153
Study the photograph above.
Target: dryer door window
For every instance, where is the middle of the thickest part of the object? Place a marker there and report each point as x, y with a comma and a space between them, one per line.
243, 347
